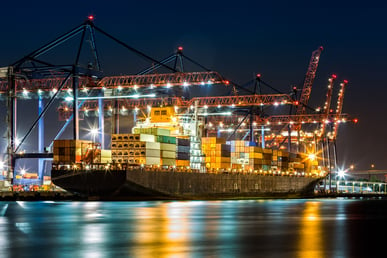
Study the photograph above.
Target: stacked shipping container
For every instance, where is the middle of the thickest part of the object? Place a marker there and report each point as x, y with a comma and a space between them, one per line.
217, 153
182, 152
70, 151
135, 149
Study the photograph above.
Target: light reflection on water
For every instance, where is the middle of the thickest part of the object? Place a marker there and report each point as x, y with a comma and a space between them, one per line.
251, 228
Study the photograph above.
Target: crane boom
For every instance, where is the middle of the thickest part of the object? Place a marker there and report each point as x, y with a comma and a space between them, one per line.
308, 81
327, 104
339, 108
124, 81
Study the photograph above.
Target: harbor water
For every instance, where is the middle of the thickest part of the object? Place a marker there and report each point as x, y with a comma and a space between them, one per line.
307, 228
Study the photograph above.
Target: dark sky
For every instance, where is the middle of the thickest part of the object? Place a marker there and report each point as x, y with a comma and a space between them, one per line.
238, 39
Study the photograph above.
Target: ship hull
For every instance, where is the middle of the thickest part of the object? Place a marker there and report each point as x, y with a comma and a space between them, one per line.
138, 184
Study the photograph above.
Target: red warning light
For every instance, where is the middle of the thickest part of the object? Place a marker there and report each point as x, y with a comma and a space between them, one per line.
90, 17
334, 76
345, 81
355, 120
226, 82
258, 75
296, 103
180, 48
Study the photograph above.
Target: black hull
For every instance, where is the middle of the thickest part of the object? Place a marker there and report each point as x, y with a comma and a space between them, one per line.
137, 184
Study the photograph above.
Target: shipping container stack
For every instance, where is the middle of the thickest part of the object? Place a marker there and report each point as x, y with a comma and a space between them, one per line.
182, 152
106, 156
245, 158
197, 160
295, 163
217, 154
70, 151
239, 154
167, 144
256, 160
280, 160
135, 149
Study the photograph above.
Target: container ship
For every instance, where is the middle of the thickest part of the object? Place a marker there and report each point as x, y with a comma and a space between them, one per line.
167, 156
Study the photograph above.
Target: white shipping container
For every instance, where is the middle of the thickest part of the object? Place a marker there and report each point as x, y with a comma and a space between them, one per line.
106, 153
152, 153
168, 147
106, 160
152, 161
168, 154
152, 145
147, 138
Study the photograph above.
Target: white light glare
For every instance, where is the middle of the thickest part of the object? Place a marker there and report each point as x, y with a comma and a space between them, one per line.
94, 131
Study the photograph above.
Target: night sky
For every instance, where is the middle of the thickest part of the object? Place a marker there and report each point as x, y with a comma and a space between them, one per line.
238, 39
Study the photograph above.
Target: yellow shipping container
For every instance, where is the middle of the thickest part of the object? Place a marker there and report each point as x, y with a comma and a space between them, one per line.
168, 162
167, 147
182, 163
222, 159
168, 154
257, 155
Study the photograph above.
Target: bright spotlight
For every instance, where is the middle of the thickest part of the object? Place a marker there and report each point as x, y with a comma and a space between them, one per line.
312, 156
341, 173
94, 131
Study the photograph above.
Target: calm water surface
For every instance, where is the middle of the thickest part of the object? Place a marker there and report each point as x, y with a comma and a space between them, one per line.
249, 228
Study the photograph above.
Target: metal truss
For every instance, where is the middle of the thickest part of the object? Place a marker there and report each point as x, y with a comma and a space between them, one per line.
126, 81
167, 79
217, 101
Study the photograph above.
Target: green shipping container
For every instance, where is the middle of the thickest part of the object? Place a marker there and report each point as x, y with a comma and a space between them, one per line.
166, 139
